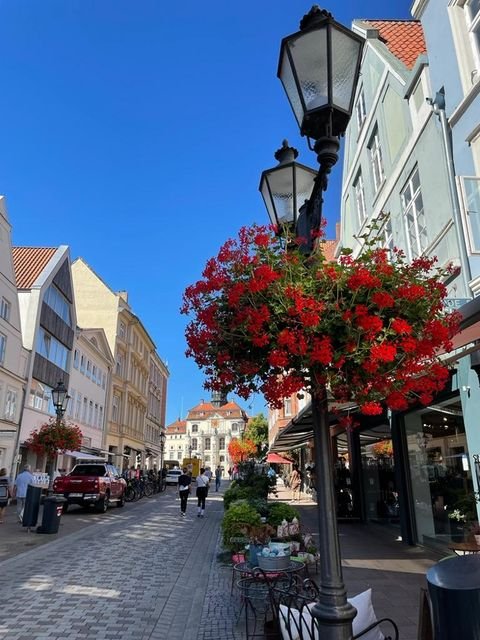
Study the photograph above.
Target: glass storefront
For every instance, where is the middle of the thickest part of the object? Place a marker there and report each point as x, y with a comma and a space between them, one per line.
441, 476
378, 471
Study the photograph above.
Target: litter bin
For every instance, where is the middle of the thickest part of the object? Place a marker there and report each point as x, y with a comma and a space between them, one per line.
32, 506
454, 589
52, 512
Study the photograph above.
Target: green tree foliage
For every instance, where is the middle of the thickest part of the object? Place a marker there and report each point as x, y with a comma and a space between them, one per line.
257, 432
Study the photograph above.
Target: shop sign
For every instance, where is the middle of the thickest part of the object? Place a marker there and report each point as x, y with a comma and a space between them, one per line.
452, 304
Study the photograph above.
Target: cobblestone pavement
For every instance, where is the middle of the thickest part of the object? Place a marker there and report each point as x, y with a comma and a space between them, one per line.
143, 573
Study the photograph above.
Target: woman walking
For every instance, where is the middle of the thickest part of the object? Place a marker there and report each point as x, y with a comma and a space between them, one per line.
184, 482
295, 482
202, 489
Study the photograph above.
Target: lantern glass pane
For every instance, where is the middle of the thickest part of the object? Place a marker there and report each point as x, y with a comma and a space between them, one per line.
288, 80
281, 187
309, 53
264, 190
345, 52
304, 181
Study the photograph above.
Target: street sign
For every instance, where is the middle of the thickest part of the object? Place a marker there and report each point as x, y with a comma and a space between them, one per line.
455, 303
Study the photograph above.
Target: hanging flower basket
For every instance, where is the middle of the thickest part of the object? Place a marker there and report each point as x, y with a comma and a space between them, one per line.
369, 329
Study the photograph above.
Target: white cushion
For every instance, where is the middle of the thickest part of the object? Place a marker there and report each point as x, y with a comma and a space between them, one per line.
289, 619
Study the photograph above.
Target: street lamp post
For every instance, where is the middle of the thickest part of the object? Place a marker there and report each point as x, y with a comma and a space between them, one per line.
319, 68
60, 400
163, 437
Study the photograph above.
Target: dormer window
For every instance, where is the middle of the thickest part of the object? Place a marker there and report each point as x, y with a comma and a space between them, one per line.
194, 428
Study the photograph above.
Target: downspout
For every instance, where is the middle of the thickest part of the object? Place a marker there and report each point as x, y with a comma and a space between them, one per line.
438, 105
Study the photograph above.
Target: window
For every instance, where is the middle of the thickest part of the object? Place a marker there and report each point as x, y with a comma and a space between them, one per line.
58, 303
90, 413
100, 417
376, 160
414, 216
84, 411
221, 443
51, 349
82, 364
386, 236
71, 403
78, 406
360, 199
472, 12
234, 426
360, 109
5, 309
94, 373
208, 443
104, 381
471, 204
115, 408
287, 407
119, 365
194, 428
76, 358
89, 369
10, 405
121, 330
3, 346
194, 444
41, 397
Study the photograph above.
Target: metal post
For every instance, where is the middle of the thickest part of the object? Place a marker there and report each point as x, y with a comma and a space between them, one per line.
333, 613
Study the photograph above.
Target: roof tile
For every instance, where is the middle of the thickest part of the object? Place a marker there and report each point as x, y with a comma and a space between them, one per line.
29, 262
404, 38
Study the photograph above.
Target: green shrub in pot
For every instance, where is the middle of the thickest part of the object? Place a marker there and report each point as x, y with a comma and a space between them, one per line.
240, 515
279, 511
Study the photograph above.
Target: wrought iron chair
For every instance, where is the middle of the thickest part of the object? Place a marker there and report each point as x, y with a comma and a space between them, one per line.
291, 600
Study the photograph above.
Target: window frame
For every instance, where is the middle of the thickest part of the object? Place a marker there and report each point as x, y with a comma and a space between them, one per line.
419, 250
474, 248
376, 160
5, 309
360, 109
359, 193
3, 348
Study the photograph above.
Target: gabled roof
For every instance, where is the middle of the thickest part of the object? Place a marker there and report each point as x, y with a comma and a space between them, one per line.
208, 408
29, 262
404, 38
179, 426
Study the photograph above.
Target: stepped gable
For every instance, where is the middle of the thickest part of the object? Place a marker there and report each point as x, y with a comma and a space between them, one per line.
404, 38
29, 262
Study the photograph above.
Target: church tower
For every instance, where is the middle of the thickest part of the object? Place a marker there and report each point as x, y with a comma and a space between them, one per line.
219, 398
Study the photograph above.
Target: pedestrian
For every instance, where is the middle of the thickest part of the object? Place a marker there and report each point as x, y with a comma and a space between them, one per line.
184, 482
295, 482
208, 473
20, 489
202, 490
230, 471
218, 477
5, 492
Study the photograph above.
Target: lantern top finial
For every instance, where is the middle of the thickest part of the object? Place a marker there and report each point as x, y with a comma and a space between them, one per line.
313, 17
286, 153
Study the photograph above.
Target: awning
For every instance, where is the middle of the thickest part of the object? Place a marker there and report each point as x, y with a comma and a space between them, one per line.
80, 455
275, 458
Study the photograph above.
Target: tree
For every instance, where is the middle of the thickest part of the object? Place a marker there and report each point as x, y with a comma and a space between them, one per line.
54, 437
241, 450
257, 432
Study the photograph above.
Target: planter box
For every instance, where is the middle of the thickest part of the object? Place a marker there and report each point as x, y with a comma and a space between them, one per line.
278, 563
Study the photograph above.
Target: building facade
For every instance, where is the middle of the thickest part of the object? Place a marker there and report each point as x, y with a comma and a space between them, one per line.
206, 433
13, 356
47, 313
127, 437
156, 411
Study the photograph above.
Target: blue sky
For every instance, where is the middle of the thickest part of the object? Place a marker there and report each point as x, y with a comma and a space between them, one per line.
135, 131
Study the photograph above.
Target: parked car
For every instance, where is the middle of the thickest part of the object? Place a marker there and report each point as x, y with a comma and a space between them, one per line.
96, 484
173, 475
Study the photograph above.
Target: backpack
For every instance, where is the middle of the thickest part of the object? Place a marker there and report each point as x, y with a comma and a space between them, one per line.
4, 493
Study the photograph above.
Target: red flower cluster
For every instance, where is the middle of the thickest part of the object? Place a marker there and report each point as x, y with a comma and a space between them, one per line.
267, 320
53, 438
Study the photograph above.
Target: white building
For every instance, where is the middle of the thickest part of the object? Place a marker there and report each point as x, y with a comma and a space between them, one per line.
13, 357
206, 432
88, 389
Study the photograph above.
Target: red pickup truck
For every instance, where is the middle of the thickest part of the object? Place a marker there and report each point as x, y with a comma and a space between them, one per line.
96, 484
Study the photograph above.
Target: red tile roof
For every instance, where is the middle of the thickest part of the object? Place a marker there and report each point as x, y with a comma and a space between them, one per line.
179, 426
29, 262
404, 38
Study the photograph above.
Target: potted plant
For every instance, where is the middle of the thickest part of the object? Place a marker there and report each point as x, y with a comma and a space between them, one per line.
457, 522
258, 537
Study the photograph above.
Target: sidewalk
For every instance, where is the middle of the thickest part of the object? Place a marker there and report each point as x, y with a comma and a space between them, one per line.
144, 572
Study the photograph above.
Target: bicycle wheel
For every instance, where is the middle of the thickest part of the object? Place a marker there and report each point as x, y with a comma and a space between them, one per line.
130, 494
148, 489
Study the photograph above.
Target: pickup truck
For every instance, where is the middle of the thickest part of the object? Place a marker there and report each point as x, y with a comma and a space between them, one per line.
96, 484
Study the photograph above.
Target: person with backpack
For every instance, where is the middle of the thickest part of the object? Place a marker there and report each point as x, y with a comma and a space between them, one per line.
5, 492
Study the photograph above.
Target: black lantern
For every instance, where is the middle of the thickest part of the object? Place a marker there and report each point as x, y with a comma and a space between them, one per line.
319, 68
163, 437
286, 187
60, 399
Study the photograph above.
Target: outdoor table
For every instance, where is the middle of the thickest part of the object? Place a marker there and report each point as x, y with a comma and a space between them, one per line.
464, 548
246, 570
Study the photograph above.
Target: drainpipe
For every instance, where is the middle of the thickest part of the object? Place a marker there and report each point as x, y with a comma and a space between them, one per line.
438, 105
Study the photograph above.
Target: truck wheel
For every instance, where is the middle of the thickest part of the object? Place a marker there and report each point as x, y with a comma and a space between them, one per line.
121, 501
102, 504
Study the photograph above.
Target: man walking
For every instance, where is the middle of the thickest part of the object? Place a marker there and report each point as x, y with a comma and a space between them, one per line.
20, 489
184, 482
218, 477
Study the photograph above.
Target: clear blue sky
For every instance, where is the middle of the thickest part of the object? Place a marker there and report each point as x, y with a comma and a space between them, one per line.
135, 132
